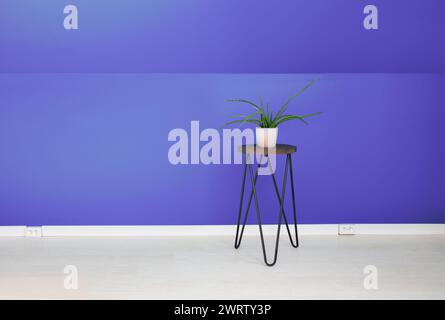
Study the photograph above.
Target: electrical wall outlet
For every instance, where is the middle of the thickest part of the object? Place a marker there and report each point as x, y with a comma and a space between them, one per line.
33, 232
346, 229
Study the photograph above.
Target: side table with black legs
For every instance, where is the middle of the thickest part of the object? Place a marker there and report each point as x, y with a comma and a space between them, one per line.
279, 150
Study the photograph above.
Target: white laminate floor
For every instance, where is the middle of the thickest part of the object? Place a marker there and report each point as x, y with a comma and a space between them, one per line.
324, 267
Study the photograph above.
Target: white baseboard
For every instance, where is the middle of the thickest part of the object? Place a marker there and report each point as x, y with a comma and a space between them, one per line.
12, 231
400, 229
143, 231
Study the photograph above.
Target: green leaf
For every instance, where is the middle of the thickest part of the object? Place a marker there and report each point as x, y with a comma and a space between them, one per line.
302, 118
288, 118
249, 117
242, 121
245, 119
244, 101
311, 114
266, 121
284, 106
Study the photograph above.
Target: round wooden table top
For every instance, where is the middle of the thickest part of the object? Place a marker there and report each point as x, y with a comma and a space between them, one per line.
279, 149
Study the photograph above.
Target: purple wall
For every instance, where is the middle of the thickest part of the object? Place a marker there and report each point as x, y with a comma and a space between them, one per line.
92, 149
222, 36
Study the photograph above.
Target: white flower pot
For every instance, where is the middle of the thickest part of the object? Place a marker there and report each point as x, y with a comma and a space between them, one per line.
266, 137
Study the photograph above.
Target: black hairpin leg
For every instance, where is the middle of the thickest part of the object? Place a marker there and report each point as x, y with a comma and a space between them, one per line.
277, 241
293, 204
294, 244
239, 235
238, 243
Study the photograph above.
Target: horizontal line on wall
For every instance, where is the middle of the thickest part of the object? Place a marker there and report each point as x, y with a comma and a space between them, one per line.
225, 230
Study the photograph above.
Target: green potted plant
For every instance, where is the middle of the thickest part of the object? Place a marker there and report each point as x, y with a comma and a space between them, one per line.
266, 132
